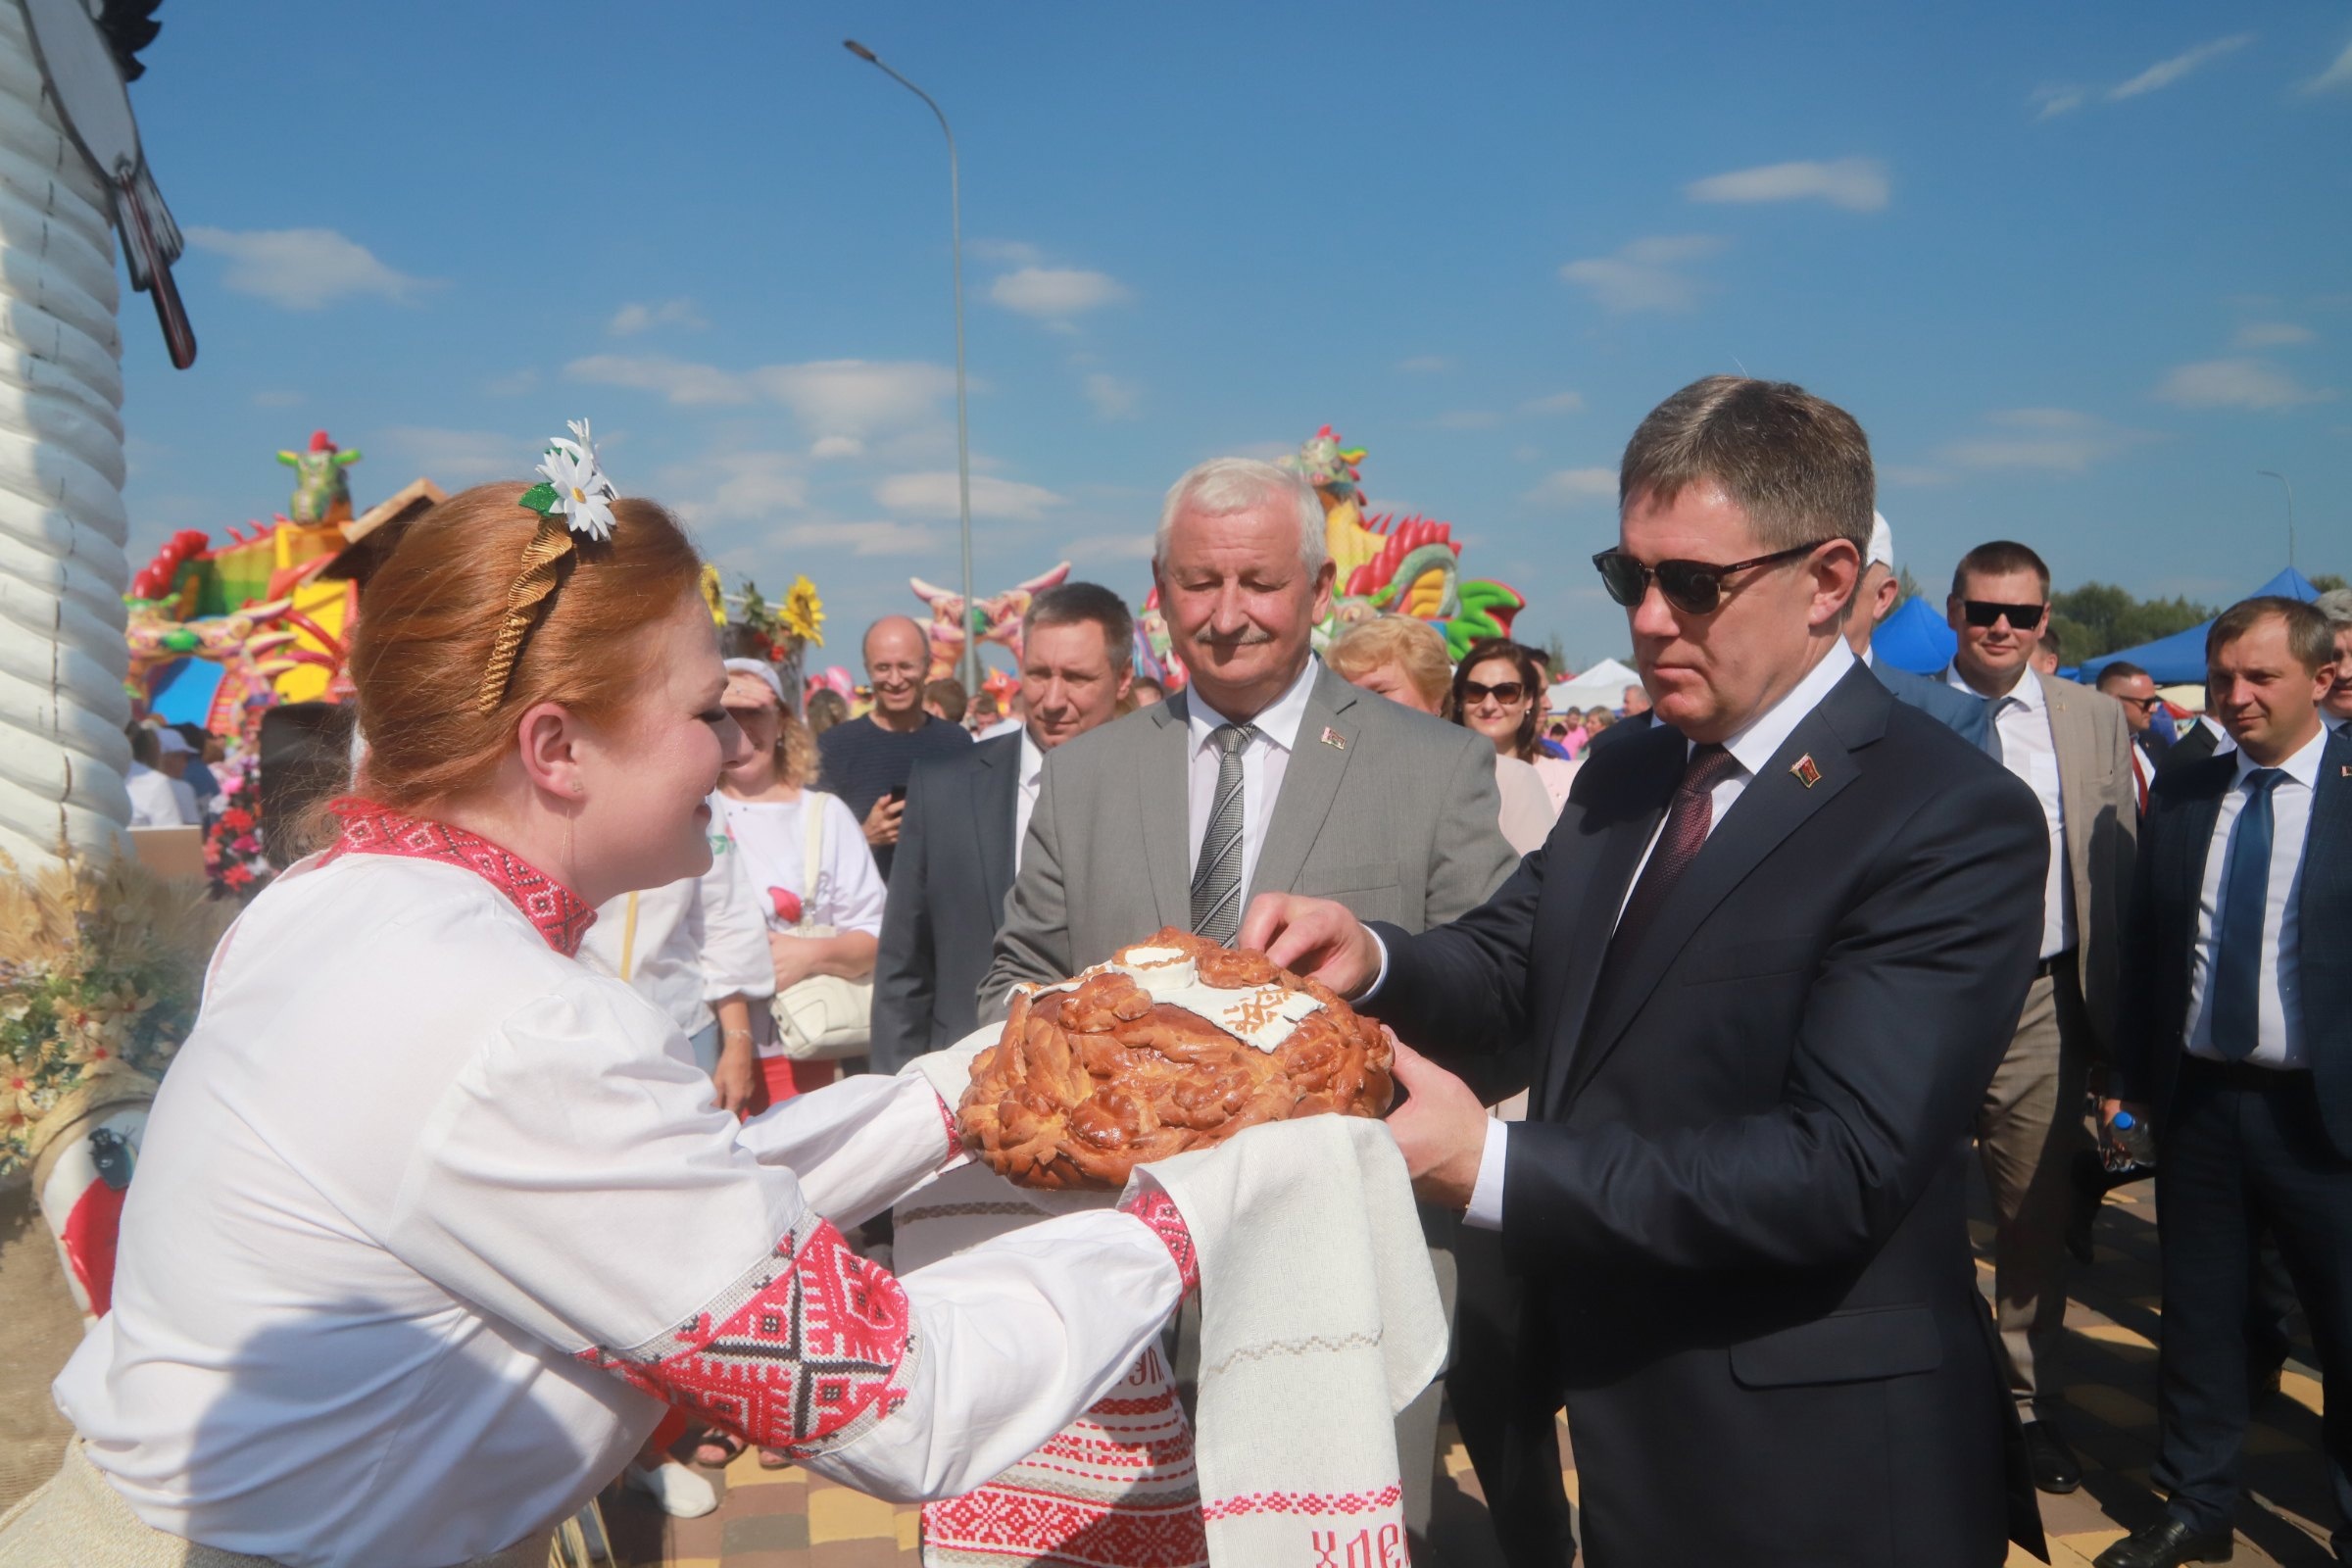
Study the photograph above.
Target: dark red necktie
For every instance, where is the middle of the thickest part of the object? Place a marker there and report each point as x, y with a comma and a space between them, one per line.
1686, 823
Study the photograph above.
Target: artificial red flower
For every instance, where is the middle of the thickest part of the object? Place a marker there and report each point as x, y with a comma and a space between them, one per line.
787, 904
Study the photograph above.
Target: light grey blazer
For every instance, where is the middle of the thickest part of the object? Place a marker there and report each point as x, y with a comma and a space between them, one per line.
1397, 821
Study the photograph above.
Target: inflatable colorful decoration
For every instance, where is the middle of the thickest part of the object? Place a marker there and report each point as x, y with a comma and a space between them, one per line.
997, 619
1388, 564
322, 482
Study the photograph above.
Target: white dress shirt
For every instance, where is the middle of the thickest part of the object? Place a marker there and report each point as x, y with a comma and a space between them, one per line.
1264, 760
1031, 779
2278, 993
2029, 749
1752, 748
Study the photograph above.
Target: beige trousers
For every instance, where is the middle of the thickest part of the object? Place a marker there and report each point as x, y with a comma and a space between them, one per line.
2028, 1129
77, 1517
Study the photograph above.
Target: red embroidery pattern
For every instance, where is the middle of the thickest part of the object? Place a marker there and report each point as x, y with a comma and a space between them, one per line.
805, 1351
947, 1115
373, 829
1388, 1497
1158, 1210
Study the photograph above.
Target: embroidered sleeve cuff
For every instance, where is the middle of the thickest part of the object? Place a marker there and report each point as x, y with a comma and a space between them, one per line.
1156, 1210
1486, 1195
808, 1350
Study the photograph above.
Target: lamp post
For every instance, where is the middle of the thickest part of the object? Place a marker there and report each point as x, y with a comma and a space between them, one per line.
2272, 473
968, 666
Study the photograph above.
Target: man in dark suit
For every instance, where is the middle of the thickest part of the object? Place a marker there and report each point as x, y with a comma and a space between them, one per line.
2235, 1041
959, 841
2135, 689
1768, 959
1873, 602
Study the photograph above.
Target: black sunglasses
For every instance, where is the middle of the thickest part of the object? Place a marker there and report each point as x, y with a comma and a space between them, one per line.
1693, 587
1507, 693
1984, 612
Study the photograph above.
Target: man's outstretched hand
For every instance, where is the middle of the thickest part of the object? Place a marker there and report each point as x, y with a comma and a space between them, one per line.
1441, 1130
1313, 937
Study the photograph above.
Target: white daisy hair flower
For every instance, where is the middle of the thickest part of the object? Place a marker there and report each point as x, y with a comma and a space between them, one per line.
575, 488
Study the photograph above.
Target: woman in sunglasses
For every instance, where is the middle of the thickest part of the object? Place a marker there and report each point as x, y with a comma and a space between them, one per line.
1498, 692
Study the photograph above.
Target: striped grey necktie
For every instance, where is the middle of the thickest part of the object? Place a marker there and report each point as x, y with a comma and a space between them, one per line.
1217, 878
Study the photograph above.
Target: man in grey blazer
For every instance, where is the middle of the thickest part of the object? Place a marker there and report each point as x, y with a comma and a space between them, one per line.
1267, 773
1873, 600
959, 841
2071, 748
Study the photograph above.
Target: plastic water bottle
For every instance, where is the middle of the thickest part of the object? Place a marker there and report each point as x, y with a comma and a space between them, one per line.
2133, 1138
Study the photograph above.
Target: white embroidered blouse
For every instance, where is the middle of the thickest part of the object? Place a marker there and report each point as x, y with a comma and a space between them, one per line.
429, 1219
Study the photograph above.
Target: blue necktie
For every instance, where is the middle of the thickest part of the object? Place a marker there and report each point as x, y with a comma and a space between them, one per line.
2245, 897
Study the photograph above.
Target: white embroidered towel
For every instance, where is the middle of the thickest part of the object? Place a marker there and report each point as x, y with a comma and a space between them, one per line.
1319, 1321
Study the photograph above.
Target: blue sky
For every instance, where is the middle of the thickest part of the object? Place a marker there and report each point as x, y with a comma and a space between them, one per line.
2080, 270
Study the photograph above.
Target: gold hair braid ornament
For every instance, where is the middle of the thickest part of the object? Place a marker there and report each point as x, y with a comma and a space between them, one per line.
574, 499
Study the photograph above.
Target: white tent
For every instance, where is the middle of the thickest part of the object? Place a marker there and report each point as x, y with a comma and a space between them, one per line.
1602, 686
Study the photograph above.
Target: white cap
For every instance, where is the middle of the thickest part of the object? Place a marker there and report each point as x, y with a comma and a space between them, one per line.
1881, 543
764, 671
169, 741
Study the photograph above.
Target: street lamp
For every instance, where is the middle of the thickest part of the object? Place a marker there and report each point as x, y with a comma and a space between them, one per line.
969, 665
2271, 473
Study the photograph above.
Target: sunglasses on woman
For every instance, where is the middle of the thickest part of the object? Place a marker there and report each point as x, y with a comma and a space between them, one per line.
1693, 587
1510, 693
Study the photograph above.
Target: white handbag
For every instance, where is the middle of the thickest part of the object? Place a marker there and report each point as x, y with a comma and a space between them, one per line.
823, 1017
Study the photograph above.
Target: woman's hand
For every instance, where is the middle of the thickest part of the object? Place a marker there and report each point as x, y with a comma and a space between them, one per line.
737, 1073
794, 957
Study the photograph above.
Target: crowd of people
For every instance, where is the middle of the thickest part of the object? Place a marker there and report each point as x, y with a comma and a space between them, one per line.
1706, 1001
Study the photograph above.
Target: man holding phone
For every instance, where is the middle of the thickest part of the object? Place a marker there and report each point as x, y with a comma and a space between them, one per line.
2071, 748
867, 760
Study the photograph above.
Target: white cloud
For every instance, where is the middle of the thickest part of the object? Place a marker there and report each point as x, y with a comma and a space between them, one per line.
1424, 365
837, 446
1113, 398
1056, 293
2337, 77
276, 400
1468, 420
1644, 275
2053, 101
303, 269
2164, 73
2244, 383
752, 486
679, 381
1575, 487
460, 456
2048, 440
882, 538
1857, 185
2271, 334
1557, 403
832, 397
632, 319
933, 495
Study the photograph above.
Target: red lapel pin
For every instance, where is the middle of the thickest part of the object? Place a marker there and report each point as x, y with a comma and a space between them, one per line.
1806, 774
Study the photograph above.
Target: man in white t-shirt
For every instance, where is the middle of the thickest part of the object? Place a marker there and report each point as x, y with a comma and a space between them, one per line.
157, 797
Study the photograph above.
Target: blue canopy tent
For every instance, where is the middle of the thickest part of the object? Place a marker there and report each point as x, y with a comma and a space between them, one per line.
2180, 660
1914, 638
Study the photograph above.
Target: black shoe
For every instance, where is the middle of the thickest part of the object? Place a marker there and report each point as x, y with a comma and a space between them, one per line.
2054, 1464
2164, 1545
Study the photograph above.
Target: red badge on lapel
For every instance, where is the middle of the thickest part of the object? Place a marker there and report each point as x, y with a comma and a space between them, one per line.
1806, 774
1334, 738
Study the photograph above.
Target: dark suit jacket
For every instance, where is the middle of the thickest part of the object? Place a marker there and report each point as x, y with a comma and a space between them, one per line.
2194, 744
1739, 1195
1962, 714
2152, 1031
946, 899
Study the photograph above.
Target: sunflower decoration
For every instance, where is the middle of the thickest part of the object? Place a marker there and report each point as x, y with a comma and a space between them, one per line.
804, 613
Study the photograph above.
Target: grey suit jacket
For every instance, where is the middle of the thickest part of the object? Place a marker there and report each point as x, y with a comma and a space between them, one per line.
1389, 811
2099, 797
947, 898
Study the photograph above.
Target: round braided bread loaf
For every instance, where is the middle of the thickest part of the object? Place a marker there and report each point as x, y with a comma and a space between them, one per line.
1091, 1080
